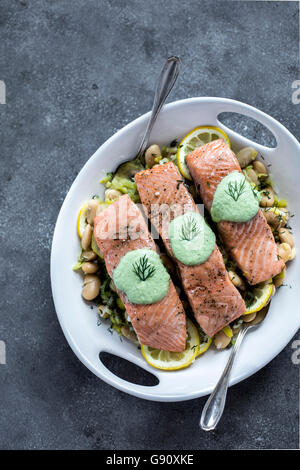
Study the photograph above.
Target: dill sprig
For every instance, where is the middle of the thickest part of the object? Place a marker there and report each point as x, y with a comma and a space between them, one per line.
189, 229
255, 192
235, 190
143, 269
265, 192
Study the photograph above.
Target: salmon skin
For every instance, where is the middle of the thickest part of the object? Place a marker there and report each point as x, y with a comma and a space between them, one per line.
251, 244
213, 298
119, 229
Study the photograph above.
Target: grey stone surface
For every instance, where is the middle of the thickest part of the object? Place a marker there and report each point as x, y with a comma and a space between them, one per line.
76, 71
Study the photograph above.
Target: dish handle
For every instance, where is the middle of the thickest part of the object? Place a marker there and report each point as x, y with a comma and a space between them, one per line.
278, 130
158, 392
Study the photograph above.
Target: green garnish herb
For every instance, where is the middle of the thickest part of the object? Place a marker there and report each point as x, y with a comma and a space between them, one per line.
235, 190
266, 193
249, 299
255, 192
280, 217
78, 265
143, 269
107, 178
189, 229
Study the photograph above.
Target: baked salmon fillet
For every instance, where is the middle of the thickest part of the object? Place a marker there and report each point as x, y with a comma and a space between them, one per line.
119, 229
251, 244
213, 298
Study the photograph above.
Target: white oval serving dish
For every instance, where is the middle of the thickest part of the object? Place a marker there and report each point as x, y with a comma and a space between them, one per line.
79, 322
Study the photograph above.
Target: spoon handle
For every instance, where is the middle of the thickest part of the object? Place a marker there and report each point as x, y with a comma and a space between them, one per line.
214, 406
166, 81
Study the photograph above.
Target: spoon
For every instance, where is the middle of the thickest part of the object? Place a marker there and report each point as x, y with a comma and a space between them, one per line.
214, 407
165, 83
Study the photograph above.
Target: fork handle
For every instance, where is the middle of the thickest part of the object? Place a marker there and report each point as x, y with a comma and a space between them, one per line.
214, 406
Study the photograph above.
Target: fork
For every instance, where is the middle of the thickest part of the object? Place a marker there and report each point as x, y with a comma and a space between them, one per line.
214, 407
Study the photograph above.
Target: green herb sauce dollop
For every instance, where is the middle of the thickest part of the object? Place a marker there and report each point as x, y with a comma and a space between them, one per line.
235, 200
142, 276
192, 240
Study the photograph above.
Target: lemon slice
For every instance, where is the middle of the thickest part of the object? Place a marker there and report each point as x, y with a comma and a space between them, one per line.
196, 138
227, 331
81, 220
204, 345
260, 297
166, 360
95, 248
